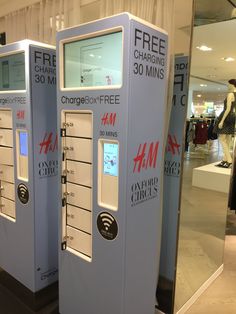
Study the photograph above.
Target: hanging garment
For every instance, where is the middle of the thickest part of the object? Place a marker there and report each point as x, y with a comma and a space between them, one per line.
201, 132
211, 134
186, 135
191, 132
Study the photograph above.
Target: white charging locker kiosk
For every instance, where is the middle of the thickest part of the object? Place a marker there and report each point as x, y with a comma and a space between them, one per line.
28, 164
111, 106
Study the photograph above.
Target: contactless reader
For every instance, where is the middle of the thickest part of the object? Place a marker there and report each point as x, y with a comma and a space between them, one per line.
112, 76
28, 163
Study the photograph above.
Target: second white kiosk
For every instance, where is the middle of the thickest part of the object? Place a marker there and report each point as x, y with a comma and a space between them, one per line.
111, 106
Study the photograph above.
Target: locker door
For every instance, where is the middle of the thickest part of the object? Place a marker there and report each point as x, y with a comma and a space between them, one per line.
7, 186
77, 188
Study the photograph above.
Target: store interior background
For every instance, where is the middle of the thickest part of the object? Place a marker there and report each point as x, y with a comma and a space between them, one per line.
204, 218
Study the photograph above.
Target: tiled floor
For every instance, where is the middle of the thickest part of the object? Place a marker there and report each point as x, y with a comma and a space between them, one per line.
220, 297
202, 229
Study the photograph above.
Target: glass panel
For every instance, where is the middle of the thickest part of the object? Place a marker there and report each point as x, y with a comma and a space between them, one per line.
94, 62
173, 156
205, 182
12, 72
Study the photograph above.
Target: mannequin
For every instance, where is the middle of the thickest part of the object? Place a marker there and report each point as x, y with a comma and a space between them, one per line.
225, 127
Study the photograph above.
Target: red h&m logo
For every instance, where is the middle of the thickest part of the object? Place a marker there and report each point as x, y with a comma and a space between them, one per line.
20, 114
49, 143
141, 162
109, 118
172, 145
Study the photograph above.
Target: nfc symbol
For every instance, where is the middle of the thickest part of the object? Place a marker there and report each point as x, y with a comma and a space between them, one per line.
107, 226
23, 190
23, 193
107, 220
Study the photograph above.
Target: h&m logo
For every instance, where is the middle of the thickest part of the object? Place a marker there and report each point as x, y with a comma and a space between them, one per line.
173, 146
109, 118
49, 143
146, 156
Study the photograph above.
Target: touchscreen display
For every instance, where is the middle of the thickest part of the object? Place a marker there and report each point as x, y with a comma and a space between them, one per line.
95, 61
110, 159
12, 72
23, 143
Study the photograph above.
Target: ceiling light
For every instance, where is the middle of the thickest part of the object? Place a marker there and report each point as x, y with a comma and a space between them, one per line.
211, 75
203, 85
204, 48
228, 59
199, 95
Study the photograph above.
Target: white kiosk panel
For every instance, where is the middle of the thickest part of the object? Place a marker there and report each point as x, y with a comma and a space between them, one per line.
28, 164
111, 164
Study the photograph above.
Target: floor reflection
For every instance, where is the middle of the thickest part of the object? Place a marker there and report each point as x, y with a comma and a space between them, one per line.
202, 227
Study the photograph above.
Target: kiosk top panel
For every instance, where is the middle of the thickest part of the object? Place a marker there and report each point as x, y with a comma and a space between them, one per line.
14, 64
94, 55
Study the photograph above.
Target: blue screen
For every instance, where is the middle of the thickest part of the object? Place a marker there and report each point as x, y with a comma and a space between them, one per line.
110, 159
23, 143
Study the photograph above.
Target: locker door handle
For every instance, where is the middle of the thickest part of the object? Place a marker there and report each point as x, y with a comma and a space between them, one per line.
71, 216
66, 171
66, 148
69, 194
1, 188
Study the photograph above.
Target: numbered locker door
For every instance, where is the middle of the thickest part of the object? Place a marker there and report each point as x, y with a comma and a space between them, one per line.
78, 168
7, 186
